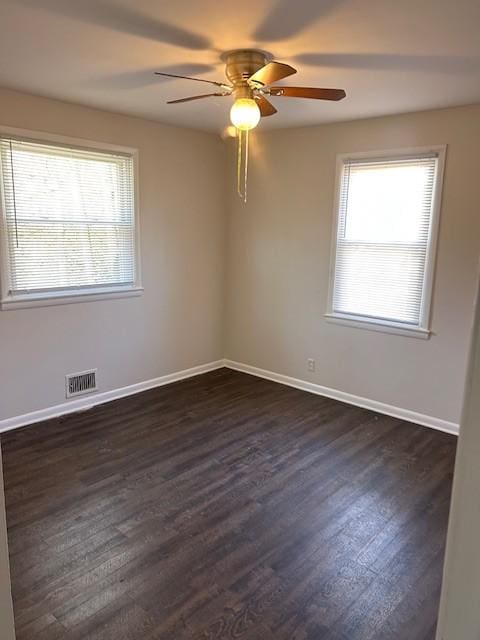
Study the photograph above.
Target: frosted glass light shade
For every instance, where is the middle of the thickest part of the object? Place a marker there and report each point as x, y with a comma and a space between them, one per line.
245, 114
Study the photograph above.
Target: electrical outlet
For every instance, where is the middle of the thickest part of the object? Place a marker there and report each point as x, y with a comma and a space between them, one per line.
311, 364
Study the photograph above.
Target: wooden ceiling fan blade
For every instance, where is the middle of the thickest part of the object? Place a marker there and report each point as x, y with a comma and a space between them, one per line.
199, 97
265, 106
272, 72
308, 92
174, 75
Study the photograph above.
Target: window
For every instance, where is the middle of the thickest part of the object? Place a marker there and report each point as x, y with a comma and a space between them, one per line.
387, 215
69, 231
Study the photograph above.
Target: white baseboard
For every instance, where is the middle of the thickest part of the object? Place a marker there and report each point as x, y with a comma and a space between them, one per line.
106, 396
366, 403
87, 402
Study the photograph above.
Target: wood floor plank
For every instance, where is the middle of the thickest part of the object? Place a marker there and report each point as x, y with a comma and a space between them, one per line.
222, 507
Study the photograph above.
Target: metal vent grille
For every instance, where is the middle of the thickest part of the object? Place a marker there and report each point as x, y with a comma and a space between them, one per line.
79, 383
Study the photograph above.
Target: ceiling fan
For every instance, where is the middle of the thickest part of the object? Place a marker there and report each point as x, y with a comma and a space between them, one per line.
251, 74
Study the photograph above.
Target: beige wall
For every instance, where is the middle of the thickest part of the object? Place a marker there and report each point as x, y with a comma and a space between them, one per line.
278, 249
459, 615
278, 265
177, 323
6, 611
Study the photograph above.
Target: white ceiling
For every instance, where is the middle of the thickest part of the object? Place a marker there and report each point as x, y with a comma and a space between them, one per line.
391, 56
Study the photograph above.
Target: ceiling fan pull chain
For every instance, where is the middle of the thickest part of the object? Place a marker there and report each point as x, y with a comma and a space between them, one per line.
245, 168
239, 162
242, 163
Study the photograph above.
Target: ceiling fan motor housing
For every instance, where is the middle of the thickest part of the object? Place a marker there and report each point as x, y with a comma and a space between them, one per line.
243, 63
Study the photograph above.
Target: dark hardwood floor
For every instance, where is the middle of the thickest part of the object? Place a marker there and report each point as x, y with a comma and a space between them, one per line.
224, 507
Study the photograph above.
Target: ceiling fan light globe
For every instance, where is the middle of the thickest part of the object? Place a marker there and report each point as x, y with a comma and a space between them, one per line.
245, 114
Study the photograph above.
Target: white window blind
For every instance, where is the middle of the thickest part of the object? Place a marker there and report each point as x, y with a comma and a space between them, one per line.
68, 218
383, 239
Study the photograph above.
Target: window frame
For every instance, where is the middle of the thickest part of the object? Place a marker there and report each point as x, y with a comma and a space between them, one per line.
423, 329
82, 294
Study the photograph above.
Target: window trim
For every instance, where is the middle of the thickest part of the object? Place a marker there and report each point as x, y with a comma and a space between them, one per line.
423, 329
82, 294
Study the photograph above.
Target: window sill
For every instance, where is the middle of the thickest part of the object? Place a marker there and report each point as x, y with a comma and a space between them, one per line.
50, 299
379, 325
